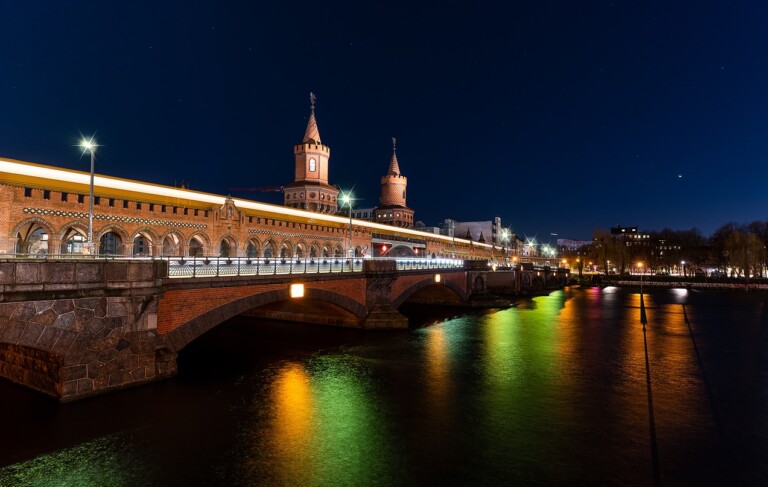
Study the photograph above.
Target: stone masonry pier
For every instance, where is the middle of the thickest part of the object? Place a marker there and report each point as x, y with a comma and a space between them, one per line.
70, 329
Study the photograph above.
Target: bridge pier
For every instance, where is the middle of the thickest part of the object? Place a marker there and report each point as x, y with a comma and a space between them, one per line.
75, 329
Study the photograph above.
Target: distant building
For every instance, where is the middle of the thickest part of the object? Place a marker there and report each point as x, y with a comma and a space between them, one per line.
363, 213
567, 244
489, 232
630, 236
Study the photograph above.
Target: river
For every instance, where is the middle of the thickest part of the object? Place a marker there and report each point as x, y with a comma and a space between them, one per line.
564, 389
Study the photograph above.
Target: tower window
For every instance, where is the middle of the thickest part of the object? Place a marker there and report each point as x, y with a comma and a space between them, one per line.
312, 165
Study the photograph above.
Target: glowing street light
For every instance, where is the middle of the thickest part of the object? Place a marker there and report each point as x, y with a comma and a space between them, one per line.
90, 145
505, 240
346, 199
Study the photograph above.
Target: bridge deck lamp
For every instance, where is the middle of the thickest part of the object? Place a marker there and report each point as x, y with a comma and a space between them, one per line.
438, 278
297, 290
90, 145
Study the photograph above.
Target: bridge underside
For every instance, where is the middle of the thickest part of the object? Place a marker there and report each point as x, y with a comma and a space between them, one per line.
435, 295
306, 311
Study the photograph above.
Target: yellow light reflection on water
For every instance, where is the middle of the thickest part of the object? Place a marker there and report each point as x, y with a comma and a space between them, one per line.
324, 427
293, 424
438, 367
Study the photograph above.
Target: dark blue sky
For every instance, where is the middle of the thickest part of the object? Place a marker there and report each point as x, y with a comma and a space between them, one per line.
558, 116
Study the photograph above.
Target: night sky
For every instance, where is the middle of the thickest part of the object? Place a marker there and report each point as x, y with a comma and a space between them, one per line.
558, 116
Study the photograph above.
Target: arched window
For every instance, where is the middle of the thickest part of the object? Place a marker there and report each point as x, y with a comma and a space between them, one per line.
73, 242
195, 248
140, 246
225, 249
251, 251
109, 244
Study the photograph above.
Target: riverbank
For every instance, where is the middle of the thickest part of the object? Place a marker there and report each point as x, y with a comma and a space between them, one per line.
732, 285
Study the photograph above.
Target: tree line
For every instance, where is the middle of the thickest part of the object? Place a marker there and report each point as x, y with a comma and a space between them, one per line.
735, 250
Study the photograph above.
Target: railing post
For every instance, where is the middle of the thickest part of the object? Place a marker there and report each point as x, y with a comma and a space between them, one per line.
194, 265
238, 265
218, 259
257, 265
275, 273
290, 266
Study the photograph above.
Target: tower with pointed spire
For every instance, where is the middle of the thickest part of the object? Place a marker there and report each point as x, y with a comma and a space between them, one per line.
310, 189
392, 209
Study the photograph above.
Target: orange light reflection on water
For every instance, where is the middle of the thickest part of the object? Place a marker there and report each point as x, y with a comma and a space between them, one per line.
292, 426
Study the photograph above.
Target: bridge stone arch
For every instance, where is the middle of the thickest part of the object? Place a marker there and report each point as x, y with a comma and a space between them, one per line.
286, 249
187, 332
228, 245
67, 236
67, 228
397, 301
271, 246
314, 250
172, 243
202, 239
301, 250
400, 250
117, 230
151, 240
252, 247
25, 228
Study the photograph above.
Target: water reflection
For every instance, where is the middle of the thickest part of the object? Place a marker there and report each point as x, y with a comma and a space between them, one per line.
316, 424
97, 462
551, 392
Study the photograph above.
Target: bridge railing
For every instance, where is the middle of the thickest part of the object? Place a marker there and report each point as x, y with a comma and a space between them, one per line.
186, 266
243, 266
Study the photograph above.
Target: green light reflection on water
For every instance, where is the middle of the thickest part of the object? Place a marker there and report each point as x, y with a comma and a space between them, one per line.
518, 361
324, 426
94, 462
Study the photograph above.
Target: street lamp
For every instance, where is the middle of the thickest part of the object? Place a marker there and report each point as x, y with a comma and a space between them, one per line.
90, 145
505, 240
346, 199
640, 270
682, 264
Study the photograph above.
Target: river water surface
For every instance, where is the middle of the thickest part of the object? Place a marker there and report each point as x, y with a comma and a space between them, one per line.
564, 389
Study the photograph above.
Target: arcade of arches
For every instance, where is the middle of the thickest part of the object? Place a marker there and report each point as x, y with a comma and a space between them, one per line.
38, 237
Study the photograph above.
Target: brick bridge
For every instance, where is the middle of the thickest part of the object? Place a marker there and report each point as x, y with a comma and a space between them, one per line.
76, 328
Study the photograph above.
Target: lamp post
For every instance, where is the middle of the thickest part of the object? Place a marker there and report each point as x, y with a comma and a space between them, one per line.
640, 270
505, 240
89, 145
346, 199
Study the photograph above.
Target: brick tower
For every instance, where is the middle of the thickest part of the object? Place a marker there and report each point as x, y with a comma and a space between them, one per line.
392, 209
310, 189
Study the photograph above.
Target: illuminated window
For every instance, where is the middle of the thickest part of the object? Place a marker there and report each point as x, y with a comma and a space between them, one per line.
312, 165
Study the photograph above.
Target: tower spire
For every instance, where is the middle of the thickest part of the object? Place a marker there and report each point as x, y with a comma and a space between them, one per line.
312, 134
394, 167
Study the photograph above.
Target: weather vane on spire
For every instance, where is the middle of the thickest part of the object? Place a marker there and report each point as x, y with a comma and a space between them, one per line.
312, 100
394, 144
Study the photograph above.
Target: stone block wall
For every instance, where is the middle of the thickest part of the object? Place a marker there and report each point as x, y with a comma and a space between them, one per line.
71, 329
